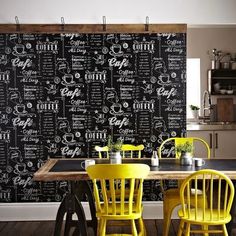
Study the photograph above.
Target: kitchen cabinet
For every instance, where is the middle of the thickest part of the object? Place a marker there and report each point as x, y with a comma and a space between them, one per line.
221, 142
222, 82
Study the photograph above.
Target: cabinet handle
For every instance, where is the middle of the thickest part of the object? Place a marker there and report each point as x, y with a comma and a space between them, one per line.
210, 141
216, 136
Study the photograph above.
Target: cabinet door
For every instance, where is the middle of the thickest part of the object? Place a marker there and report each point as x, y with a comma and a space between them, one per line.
199, 149
225, 145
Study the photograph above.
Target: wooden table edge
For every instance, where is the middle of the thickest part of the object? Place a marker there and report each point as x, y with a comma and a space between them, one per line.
44, 174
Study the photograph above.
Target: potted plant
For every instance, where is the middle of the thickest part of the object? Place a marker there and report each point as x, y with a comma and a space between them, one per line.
195, 111
185, 152
114, 149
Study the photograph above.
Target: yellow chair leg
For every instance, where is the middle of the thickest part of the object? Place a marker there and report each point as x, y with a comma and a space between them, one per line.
181, 226
142, 227
103, 225
225, 231
188, 229
98, 226
134, 230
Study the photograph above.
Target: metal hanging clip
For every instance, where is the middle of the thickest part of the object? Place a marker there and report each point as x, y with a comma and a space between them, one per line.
62, 24
17, 23
104, 23
147, 24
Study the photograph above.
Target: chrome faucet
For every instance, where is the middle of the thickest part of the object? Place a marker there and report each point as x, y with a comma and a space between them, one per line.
206, 95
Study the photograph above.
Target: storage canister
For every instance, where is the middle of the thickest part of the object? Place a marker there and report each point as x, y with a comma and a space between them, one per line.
233, 65
224, 65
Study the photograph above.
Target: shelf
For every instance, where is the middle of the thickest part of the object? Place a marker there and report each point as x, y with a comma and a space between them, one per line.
221, 94
222, 79
223, 73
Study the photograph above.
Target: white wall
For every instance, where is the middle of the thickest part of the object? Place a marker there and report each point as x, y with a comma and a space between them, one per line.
122, 11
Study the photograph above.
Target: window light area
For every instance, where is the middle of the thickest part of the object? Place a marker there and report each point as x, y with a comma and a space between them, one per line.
193, 85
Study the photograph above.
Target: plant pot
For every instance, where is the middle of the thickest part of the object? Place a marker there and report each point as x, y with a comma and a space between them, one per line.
186, 159
115, 157
195, 114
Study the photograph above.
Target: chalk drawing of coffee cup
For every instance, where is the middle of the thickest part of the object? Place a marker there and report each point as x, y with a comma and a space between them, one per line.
68, 80
116, 50
20, 169
164, 79
19, 109
68, 139
116, 109
19, 50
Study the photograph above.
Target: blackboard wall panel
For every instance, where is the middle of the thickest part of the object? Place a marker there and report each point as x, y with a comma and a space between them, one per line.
62, 94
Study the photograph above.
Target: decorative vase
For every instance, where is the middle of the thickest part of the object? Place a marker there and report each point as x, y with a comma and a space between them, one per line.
115, 157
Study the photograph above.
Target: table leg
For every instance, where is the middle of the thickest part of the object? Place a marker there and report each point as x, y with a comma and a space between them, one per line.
82, 189
71, 204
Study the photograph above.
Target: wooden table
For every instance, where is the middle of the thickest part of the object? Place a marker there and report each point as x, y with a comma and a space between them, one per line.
72, 171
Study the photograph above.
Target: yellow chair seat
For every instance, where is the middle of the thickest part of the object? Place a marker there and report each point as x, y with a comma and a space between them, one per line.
211, 217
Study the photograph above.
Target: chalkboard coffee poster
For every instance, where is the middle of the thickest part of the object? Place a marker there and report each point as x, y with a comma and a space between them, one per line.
62, 94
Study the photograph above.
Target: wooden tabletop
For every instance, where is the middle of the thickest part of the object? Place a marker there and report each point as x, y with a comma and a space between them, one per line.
71, 169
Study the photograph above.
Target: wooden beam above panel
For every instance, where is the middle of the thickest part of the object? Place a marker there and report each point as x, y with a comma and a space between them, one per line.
92, 28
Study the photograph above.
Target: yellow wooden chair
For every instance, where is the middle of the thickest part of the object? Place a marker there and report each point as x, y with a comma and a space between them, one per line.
124, 207
171, 196
127, 150
215, 213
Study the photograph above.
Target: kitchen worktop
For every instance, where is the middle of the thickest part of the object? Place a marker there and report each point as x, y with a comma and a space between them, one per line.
211, 125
